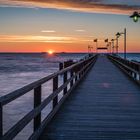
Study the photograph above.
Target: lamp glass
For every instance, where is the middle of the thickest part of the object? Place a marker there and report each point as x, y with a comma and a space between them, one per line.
135, 18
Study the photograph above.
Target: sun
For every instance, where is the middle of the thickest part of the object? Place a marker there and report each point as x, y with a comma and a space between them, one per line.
50, 52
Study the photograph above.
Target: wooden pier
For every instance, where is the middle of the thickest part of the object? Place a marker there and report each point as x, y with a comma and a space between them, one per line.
105, 106
102, 103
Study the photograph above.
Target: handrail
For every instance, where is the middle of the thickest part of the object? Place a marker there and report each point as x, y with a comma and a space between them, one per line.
77, 72
17, 93
130, 68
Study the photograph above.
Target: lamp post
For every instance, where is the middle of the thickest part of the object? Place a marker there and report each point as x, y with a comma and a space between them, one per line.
118, 35
106, 41
113, 46
117, 42
112, 40
89, 48
109, 44
135, 16
96, 41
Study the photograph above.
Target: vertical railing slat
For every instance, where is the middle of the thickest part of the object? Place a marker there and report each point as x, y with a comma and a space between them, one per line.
139, 73
65, 80
71, 75
1, 121
37, 102
55, 87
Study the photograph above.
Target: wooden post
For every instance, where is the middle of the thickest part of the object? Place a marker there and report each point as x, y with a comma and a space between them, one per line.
65, 80
71, 74
55, 87
37, 102
79, 75
80, 67
60, 66
76, 77
135, 76
1, 121
139, 73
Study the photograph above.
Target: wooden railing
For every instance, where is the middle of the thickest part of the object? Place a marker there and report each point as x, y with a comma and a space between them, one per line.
76, 71
131, 68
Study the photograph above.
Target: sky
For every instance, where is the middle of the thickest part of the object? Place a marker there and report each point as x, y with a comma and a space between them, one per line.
66, 25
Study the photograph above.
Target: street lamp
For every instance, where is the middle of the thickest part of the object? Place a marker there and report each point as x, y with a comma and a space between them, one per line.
135, 16
118, 35
89, 48
96, 40
106, 41
109, 45
112, 40
113, 46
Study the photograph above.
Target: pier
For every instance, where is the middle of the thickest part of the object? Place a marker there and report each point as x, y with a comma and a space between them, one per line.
101, 101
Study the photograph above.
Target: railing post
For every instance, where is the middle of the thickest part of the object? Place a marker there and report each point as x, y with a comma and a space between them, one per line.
37, 102
65, 80
84, 68
80, 67
71, 75
1, 121
55, 87
139, 73
135, 76
76, 77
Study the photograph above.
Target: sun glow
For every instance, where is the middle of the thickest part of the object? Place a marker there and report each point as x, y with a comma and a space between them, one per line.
50, 52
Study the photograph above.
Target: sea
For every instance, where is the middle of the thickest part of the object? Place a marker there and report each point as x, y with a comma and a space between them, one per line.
20, 69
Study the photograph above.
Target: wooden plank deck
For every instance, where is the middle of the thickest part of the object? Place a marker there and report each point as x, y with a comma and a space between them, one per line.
105, 106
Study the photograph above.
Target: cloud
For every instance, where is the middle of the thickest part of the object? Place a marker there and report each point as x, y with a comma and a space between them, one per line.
100, 6
48, 31
47, 39
81, 30
30, 38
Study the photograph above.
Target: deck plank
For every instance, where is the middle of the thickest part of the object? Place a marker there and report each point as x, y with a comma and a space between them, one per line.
105, 106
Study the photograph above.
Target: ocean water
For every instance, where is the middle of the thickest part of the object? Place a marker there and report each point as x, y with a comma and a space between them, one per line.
131, 56
18, 70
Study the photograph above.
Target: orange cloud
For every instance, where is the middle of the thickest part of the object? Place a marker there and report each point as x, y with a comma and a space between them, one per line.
30, 38
100, 6
6, 38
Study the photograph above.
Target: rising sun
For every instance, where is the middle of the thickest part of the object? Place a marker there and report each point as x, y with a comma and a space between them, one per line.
50, 52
